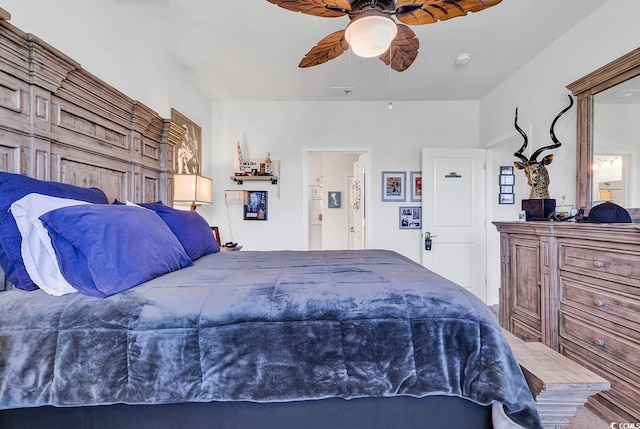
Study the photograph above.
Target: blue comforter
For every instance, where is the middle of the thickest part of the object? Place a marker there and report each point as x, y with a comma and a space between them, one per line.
261, 326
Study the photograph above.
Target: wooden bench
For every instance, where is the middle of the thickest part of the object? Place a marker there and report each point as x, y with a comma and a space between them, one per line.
559, 385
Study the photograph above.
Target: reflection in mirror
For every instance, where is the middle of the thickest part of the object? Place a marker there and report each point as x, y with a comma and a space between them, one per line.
616, 140
609, 179
608, 102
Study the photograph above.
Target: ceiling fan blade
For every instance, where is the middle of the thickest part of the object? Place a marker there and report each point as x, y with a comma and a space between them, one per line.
417, 12
327, 49
323, 8
403, 49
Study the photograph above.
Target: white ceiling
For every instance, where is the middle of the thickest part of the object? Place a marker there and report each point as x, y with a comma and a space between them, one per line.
250, 49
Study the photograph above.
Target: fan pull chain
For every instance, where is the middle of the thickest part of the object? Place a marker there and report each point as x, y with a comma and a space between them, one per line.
390, 103
349, 71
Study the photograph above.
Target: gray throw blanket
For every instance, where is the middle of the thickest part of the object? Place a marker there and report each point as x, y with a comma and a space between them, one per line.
261, 326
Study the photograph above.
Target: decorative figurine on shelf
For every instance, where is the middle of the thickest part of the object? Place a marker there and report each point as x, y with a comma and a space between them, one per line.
536, 171
238, 169
268, 170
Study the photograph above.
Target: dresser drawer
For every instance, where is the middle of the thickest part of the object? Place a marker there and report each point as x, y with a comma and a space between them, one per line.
524, 331
622, 398
612, 348
603, 300
591, 259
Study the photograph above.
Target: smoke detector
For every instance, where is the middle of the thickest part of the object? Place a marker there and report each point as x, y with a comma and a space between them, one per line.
463, 59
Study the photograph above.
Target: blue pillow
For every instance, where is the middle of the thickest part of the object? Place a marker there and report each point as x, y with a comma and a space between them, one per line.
105, 249
12, 188
191, 229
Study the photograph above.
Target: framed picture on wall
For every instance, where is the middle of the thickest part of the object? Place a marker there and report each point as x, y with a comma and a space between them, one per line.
394, 186
410, 217
507, 179
506, 199
316, 192
189, 148
334, 200
416, 186
506, 189
506, 169
255, 205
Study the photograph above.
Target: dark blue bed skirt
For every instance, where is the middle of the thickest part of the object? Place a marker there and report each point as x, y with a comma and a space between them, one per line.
433, 412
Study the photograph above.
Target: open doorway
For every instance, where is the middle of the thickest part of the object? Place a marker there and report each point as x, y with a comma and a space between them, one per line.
335, 195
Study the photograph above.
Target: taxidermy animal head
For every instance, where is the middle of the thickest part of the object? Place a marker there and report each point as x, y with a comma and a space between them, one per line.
536, 171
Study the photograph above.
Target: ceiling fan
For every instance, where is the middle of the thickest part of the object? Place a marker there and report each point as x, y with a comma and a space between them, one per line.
373, 31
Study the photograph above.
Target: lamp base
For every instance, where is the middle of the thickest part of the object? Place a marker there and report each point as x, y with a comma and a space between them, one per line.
539, 209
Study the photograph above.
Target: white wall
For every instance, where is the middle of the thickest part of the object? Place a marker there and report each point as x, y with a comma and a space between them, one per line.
98, 35
395, 139
539, 90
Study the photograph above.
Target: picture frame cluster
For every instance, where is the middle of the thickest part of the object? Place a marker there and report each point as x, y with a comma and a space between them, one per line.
396, 189
507, 181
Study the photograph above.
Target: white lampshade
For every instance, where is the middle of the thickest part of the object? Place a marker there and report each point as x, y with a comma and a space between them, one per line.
371, 35
191, 189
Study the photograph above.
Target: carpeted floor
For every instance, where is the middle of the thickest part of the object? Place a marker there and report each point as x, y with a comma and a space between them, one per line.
585, 419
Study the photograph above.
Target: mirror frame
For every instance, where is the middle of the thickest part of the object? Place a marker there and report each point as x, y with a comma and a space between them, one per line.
617, 71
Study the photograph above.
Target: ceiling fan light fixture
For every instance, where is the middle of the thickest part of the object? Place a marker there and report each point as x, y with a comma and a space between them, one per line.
371, 35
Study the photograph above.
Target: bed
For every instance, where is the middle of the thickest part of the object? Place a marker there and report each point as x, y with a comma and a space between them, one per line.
189, 335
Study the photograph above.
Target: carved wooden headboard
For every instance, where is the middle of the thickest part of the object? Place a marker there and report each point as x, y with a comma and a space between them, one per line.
59, 122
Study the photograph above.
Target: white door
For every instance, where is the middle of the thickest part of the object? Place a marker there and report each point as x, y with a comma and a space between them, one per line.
453, 214
356, 204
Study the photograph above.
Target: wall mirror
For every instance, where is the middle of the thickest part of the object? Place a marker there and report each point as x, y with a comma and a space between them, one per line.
608, 134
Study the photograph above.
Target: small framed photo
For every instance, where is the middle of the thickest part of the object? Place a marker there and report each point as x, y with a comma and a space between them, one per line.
416, 186
316, 192
334, 199
410, 217
216, 234
506, 189
394, 186
255, 205
507, 179
506, 169
506, 199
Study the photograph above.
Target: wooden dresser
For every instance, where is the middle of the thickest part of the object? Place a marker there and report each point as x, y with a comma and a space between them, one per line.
576, 288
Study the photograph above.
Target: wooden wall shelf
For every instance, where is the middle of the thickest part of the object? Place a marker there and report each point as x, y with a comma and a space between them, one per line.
241, 179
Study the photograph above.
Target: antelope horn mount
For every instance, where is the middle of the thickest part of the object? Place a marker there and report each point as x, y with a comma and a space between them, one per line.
403, 49
536, 171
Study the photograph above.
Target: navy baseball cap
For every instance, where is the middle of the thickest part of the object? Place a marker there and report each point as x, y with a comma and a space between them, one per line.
608, 212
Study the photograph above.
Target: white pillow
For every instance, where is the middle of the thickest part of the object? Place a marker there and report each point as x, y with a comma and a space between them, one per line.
36, 249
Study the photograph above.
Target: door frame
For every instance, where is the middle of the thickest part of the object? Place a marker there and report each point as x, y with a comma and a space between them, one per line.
305, 186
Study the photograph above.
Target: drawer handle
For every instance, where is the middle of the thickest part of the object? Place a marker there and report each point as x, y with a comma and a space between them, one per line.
598, 264
601, 343
600, 304
525, 337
